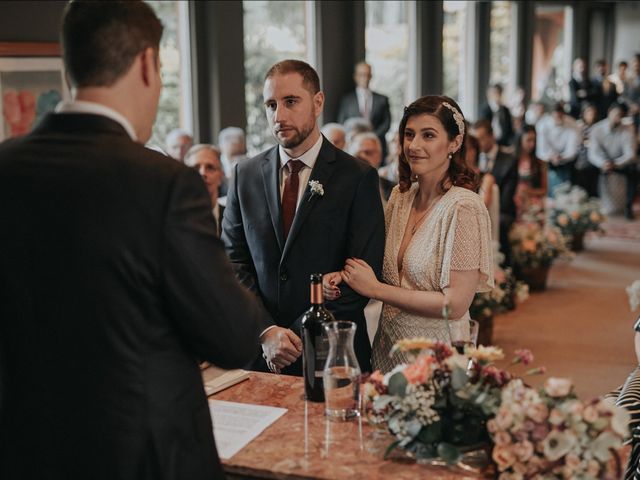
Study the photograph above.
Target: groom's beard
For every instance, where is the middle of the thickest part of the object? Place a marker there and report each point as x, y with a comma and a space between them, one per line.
300, 135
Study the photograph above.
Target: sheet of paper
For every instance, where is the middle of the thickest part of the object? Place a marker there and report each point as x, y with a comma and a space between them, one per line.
236, 424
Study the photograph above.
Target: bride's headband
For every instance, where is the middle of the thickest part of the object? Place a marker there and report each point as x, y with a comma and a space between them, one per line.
457, 116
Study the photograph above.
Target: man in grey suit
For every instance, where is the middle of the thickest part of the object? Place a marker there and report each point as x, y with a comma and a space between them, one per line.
365, 103
278, 229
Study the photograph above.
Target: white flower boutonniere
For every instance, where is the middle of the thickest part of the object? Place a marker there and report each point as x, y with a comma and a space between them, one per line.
316, 189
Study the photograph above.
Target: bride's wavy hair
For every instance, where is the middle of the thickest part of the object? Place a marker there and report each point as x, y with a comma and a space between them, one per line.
459, 173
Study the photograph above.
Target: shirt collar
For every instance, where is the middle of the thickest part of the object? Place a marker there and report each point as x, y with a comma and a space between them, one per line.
493, 153
308, 158
81, 106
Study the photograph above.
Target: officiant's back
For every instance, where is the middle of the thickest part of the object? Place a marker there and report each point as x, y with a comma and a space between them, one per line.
112, 281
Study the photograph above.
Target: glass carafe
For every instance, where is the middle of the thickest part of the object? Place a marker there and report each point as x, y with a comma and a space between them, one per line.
341, 372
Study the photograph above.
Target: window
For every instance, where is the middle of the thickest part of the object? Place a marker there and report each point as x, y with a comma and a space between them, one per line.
174, 109
500, 50
453, 46
551, 52
273, 31
387, 51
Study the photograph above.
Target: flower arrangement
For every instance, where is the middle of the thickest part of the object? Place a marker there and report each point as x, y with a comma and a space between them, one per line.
534, 245
438, 405
444, 403
507, 293
573, 212
553, 435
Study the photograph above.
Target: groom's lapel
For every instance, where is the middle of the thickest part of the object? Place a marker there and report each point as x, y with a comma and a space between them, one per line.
322, 171
271, 180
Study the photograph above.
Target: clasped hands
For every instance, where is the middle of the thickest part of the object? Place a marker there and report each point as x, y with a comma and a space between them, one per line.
280, 348
357, 274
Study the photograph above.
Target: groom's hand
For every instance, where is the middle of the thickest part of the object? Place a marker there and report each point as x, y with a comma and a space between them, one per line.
281, 347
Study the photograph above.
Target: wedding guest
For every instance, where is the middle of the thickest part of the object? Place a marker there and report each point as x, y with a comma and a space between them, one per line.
113, 282
620, 79
354, 126
495, 112
206, 160
558, 142
612, 149
532, 172
390, 168
299, 230
605, 89
517, 108
534, 113
178, 143
233, 148
586, 175
581, 89
336, 134
504, 168
438, 245
366, 147
365, 103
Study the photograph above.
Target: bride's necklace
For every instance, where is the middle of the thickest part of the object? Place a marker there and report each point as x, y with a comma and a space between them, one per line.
417, 223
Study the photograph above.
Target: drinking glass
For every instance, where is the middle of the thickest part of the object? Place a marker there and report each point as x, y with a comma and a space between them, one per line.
462, 337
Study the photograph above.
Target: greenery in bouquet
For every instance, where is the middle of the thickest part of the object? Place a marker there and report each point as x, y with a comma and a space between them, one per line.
552, 435
534, 245
438, 405
573, 212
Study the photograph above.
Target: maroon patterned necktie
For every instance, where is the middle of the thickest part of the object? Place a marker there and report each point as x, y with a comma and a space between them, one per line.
290, 195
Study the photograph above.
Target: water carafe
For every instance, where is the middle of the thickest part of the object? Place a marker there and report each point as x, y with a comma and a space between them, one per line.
341, 372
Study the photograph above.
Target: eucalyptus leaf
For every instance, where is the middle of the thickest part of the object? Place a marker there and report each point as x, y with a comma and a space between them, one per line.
391, 448
430, 433
398, 384
449, 453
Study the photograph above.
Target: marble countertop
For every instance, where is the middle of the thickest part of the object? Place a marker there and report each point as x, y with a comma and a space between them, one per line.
304, 444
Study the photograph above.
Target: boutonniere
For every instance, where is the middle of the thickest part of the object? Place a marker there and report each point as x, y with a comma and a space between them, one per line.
316, 189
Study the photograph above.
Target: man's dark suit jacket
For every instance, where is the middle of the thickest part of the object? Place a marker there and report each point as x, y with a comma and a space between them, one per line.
380, 116
505, 121
347, 221
113, 286
505, 171
581, 92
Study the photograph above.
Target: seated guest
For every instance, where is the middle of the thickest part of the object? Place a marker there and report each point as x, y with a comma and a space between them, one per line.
366, 146
233, 148
495, 112
557, 144
534, 113
206, 160
532, 172
355, 125
504, 168
113, 282
612, 149
620, 79
366, 104
178, 143
586, 175
336, 134
390, 168
605, 89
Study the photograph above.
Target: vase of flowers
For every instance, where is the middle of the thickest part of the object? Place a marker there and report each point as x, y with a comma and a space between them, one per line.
534, 247
574, 214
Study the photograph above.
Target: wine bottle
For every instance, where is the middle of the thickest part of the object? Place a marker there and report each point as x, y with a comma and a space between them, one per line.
315, 345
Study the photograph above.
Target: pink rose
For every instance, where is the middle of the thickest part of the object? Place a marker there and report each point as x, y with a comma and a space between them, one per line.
540, 432
538, 412
558, 387
504, 418
556, 417
572, 461
492, 427
502, 439
528, 425
523, 450
593, 468
523, 356
590, 414
503, 456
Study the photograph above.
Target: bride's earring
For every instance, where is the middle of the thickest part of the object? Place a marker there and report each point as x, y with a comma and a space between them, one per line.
450, 156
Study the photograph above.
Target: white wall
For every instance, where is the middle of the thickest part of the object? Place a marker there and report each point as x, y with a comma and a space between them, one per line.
627, 28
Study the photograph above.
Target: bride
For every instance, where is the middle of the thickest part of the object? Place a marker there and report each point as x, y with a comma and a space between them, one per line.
438, 236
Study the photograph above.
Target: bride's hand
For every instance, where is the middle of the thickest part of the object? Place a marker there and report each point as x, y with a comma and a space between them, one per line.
330, 282
360, 277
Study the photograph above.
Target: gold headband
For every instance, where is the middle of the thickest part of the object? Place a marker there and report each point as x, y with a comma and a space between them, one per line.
457, 116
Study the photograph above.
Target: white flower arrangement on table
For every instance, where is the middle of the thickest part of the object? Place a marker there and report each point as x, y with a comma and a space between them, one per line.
316, 189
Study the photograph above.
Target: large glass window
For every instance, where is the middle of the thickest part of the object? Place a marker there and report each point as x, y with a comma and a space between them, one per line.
171, 110
551, 52
387, 51
501, 42
453, 48
273, 31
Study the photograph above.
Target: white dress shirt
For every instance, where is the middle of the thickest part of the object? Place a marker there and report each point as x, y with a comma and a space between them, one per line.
81, 106
308, 158
365, 101
616, 145
563, 140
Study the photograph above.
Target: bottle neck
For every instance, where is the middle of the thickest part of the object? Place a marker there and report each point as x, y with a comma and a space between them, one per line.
317, 297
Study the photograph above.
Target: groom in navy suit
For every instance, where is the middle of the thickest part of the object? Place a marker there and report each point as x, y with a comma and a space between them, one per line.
278, 230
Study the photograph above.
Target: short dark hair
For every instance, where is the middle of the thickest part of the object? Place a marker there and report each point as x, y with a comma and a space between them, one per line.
100, 40
497, 87
310, 77
459, 173
623, 64
619, 106
558, 107
486, 124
